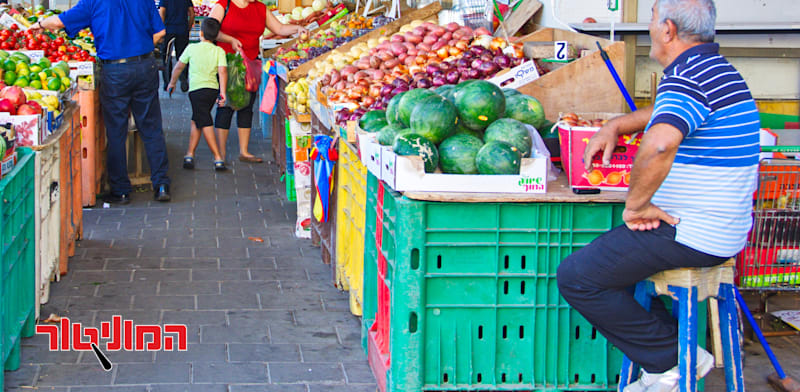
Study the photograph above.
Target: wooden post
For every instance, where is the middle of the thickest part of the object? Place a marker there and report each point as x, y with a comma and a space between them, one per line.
630, 9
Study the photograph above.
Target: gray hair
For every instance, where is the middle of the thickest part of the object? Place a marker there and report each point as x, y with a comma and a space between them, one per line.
694, 19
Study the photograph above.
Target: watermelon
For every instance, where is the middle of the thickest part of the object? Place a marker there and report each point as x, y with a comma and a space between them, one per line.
526, 109
434, 118
409, 102
479, 104
512, 132
498, 158
457, 154
373, 121
547, 130
460, 128
391, 109
507, 92
454, 92
386, 134
413, 144
445, 90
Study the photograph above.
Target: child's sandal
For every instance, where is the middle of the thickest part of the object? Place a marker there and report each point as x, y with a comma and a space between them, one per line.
220, 166
188, 162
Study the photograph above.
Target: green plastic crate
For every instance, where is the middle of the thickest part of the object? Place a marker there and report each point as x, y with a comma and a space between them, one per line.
474, 299
776, 121
17, 258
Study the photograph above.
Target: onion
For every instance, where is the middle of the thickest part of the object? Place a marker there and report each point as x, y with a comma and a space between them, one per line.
386, 90
418, 73
452, 26
438, 31
419, 31
437, 46
424, 83
488, 68
413, 38
463, 45
447, 36
477, 50
409, 46
410, 60
367, 101
399, 90
437, 73
430, 39
486, 57
476, 63
326, 79
463, 63
424, 46
421, 60
439, 81
473, 73
377, 74
502, 61
452, 77
443, 52
391, 63
335, 77
431, 68
453, 51
397, 38
399, 82
429, 26
517, 61
412, 52
402, 57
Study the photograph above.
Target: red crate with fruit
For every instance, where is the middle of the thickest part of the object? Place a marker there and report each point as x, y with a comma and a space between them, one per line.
574, 132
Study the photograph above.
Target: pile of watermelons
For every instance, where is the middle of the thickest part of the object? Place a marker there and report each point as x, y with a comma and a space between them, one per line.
470, 128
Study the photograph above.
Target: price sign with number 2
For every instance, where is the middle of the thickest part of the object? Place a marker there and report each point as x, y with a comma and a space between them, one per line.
560, 50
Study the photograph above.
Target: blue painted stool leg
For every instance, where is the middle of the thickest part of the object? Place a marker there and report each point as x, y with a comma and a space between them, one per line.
687, 337
643, 294
729, 329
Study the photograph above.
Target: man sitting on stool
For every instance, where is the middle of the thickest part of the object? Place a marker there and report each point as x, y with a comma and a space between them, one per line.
690, 198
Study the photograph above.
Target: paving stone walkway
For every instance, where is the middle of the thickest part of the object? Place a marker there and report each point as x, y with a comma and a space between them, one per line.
261, 316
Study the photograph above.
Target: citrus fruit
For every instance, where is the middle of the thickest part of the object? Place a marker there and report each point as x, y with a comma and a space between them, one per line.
35, 83
10, 65
9, 77
36, 68
21, 82
53, 83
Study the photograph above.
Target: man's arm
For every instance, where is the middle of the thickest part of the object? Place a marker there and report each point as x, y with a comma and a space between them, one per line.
52, 23
191, 17
158, 36
653, 163
605, 139
162, 11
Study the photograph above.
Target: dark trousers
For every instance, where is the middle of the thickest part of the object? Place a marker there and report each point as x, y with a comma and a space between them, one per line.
132, 88
181, 42
598, 281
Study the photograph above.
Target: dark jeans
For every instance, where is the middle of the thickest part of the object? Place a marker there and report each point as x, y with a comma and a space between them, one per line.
598, 281
181, 42
132, 88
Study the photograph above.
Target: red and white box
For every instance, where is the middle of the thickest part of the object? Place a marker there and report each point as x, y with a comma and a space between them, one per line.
612, 177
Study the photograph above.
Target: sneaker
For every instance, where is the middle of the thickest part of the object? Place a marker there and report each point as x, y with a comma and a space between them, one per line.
113, 198
161, 193
668, 381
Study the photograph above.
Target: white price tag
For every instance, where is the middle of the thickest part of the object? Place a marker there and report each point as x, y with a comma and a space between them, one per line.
34, 55
313, 26
560, 50
81, 68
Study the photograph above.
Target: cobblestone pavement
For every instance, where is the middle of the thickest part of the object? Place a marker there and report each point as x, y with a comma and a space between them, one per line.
261, 316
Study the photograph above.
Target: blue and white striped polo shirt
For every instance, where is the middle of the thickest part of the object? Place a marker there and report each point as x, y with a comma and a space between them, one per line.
710, 186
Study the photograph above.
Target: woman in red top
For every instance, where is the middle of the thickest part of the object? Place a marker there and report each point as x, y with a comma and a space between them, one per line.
241, 27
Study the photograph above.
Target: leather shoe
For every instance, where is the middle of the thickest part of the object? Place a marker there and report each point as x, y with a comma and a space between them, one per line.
112, 198
162, 193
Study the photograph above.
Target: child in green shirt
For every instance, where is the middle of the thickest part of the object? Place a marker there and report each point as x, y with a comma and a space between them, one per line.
206, 88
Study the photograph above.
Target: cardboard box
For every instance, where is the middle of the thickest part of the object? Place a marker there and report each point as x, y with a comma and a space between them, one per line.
7, 164
516, 77
407, 173
370, 151
29, 130
583, 85
614, 177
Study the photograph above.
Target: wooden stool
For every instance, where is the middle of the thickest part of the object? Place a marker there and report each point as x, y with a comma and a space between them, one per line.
140, 180
688, 286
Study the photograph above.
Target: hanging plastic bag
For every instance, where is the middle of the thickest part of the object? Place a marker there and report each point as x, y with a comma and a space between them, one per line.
238, 96
269, 99
252, 77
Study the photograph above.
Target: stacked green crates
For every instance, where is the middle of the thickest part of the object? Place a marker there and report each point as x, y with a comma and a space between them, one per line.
17, 259
474, 300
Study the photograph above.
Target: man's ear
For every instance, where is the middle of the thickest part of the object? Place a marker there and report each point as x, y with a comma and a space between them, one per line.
670, 30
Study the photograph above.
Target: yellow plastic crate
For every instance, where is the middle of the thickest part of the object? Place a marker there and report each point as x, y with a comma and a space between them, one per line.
350, 215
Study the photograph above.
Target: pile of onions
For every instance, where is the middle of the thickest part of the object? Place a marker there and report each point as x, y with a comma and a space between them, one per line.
426, 56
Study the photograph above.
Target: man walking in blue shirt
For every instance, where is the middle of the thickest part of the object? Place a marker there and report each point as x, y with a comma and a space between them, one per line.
690, 197
125, 33
178, 17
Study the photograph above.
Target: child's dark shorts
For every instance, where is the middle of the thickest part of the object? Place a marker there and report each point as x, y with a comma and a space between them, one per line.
203, 100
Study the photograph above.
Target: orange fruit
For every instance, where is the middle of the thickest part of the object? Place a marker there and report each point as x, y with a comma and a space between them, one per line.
614, 178
595, 177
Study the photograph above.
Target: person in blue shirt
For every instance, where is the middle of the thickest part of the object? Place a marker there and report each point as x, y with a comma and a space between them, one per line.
125, 34
178, 17
691, 190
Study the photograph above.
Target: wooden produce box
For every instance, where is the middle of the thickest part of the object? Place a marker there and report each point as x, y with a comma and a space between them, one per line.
583, 85
431, 10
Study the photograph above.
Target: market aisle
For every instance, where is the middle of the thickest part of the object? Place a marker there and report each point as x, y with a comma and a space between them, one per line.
262, 316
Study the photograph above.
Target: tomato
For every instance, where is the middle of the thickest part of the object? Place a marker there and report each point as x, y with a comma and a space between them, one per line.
72, 49
62, 49
5, 45
4, 34
42, 37
14, 27
59, 41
